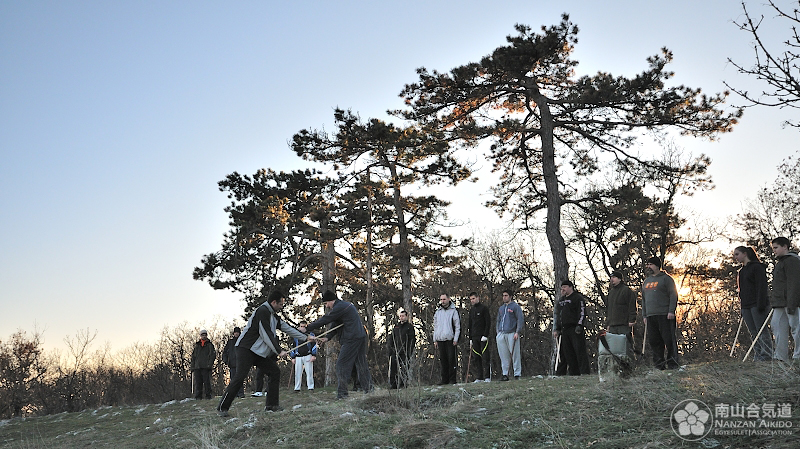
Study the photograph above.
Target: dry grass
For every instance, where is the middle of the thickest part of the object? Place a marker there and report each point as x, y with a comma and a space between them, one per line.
532, 412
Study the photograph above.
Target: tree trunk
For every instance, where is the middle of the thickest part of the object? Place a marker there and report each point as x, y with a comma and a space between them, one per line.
558, 248
370, 309
403, 253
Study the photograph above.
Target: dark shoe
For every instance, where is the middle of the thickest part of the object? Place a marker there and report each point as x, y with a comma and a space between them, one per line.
504, 379
223, 413
297, 391
273, 408
516, 377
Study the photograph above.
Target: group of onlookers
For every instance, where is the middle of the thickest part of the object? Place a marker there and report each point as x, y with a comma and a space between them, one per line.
510, 323
257, 344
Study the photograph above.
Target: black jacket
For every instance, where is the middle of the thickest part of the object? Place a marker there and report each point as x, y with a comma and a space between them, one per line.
401, 340
229, 353
203, 355
753, 286
570, 311
480, 322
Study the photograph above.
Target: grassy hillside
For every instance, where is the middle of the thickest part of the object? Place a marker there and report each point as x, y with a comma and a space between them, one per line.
531, 412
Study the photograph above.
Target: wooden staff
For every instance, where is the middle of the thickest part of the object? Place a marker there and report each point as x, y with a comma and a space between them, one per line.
558, 352
320, 335
644, 339
469, 359
736, 339
759, 334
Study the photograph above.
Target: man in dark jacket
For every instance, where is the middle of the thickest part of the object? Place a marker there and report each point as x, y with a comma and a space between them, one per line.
353, 340
259, 346
203, 356
570, 315
480, 326
400, 346
621, 309
785, 299
229, 356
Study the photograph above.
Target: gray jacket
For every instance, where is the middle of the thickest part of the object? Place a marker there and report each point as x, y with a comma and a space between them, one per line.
510, 319
446, 324
659, 295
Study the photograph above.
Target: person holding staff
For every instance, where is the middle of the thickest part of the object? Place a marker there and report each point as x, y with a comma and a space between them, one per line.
753, 289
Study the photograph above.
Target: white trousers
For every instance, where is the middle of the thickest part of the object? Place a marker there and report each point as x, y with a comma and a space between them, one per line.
782, 325
509, 351
301, 363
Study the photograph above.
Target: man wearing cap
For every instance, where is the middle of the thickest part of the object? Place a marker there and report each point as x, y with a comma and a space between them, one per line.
258, 346
229, 356
203, 356
570, 316
353, 340
659, 302
621, 309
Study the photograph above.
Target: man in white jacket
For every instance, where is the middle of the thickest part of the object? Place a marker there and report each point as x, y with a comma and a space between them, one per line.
446, 331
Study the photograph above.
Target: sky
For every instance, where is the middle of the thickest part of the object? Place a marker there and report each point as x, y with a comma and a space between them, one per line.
117, 120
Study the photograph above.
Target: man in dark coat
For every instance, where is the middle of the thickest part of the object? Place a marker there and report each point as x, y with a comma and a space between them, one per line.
621, 309
229, 356
480, 327
353, 340
400, 346
570, 316
203, 356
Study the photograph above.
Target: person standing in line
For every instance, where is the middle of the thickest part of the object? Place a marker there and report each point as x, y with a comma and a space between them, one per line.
446, 331
570, 315
480, 327
259, 346
751, 283
785, 299
229, 356
659, 302
400, 346
203, 357
621, 309
353, 340
510, 322
303, 359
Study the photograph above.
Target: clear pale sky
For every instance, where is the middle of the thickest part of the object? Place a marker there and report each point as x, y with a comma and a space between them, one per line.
117, 120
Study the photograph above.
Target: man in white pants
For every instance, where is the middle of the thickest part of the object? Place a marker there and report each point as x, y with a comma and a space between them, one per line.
303, 358
510, 322
785, 299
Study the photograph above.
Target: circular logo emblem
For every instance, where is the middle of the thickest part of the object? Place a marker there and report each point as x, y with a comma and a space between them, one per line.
691, 420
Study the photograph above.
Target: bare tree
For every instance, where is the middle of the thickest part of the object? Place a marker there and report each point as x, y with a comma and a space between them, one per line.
775, 64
